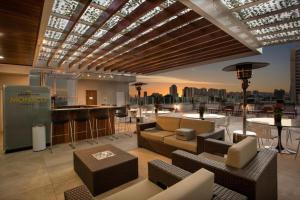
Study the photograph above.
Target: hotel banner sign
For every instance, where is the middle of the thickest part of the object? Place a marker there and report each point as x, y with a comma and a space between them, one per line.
23, 108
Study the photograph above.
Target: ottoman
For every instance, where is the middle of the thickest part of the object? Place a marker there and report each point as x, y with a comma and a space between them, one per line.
105, 167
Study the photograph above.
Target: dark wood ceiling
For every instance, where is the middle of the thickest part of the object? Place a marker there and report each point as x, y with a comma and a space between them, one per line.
19, 26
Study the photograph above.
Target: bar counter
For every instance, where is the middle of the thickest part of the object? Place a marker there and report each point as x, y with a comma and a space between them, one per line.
60, 131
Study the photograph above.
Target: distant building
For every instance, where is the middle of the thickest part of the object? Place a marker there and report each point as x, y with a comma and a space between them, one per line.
295, 76
173, 91
145, 94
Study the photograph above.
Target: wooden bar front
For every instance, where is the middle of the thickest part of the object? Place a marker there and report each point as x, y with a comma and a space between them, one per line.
60, 132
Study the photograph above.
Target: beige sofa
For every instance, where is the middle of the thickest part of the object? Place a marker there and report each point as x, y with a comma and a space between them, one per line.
160, 136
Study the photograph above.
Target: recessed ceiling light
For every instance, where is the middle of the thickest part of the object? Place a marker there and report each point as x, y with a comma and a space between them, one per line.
1, 34
88, 75
1, 57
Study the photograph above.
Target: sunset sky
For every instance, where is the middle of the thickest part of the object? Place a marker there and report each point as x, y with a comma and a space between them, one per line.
276, 75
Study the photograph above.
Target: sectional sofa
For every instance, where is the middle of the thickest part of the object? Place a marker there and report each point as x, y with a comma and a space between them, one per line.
160, 136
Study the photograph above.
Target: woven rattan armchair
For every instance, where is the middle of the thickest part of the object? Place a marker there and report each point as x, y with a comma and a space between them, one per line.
257, 180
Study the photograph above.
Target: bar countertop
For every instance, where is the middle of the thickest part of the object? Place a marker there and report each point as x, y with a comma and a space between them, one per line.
83, 107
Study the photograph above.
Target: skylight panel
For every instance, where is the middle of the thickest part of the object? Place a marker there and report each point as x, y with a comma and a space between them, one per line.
46, 50
104, 3
82, 48
67, 46
167, 3
64, 7
285, 26
150, 14
117, 36
130, 6
264, 8
50, 43
80, 28
91, 14
72, 39
77, 53
53, 34
112, 22
100, 32
58, 23
184, 12
90, 42
279, 35
235, 3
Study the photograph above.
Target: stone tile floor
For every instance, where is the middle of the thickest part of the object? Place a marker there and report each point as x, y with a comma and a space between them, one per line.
45, 175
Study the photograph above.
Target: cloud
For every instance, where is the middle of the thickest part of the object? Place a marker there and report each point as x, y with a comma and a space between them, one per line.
172, 80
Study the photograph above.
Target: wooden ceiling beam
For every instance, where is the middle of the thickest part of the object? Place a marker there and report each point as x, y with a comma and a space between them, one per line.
193, 61
171, 38
124, 23
202, 36
78, 12
114, 7
160, 17
204, 48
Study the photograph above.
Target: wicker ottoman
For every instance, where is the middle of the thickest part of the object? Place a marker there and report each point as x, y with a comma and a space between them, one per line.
105, 167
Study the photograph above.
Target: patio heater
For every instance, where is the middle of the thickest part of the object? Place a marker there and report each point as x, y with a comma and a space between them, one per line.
138, 87
244, 73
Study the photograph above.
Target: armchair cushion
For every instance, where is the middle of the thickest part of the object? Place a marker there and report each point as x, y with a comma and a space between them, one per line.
155, 134
200, 126
189, 145
198, 185
185, 134
241, 153
142, 191
167, 123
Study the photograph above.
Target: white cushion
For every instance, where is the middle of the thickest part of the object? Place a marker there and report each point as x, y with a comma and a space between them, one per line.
141, 191
196, 186
241, 153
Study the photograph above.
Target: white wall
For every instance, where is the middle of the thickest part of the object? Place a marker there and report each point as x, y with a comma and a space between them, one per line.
106, 90
10, 79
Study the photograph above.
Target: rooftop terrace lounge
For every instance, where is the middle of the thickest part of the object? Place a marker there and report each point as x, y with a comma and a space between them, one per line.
70, 129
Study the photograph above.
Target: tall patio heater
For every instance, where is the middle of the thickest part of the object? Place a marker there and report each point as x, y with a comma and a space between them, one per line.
138, 87
244, 73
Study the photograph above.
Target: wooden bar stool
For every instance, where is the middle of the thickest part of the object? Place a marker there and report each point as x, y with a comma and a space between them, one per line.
61, 118
121, 114
81, 116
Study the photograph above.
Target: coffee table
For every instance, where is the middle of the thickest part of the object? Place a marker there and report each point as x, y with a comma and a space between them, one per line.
105, 167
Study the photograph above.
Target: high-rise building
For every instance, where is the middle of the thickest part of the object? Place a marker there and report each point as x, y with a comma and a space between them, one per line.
173, 91
295, 76
279, 94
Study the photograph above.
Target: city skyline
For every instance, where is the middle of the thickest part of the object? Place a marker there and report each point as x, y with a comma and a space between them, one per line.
275, 76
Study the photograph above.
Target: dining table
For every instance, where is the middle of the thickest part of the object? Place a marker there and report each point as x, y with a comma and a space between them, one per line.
285, 123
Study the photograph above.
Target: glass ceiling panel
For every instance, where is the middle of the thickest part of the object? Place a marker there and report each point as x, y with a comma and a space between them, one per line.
276, 41
67, 46
50, 43
264, 8
167, 3
104, 3
130, 27
130, 6
285, 26
72, 39
91, 14
82, 48
150, 14
80, 28
293, 14
235, 3
89, 42
100, 32
117, 36
64, 7
53, 34
279, 35
58, 23
112, 22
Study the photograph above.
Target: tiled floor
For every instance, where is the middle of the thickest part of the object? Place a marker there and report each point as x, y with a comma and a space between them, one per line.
42, 175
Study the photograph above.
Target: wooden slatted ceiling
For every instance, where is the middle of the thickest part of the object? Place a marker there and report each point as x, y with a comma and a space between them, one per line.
19, 26
174, 37
128, 20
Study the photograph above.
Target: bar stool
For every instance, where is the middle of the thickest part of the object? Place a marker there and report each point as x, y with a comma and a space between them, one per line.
121, 113
102, 116
60, 118
81, 115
